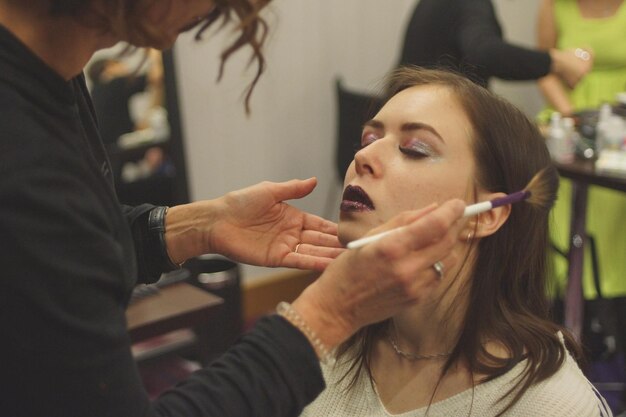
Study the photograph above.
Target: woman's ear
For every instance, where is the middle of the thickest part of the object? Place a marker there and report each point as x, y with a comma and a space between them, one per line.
487, 223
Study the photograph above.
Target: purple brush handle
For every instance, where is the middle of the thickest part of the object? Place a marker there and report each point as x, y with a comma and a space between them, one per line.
510, 199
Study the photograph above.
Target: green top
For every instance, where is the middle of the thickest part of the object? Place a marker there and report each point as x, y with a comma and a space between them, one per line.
606, 37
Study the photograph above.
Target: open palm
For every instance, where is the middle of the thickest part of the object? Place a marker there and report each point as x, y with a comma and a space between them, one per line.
256, 227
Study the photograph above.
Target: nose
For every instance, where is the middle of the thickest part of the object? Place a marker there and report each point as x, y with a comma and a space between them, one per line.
369, 160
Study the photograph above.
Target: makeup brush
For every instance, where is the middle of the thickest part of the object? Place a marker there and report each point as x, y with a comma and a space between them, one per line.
538, 191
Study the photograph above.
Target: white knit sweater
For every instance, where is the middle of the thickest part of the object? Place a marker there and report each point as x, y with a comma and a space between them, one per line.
567, 393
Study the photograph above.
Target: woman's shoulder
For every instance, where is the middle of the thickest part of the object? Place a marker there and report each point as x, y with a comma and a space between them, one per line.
346, 394
566, 393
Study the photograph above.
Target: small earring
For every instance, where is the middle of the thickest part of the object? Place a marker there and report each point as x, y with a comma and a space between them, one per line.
469, 236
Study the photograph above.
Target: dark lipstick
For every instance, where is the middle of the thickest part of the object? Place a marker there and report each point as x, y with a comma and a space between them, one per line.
356, 199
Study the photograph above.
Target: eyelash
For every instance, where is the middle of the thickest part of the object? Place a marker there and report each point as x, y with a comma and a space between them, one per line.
358, 146
415, 153
370, 134
411, 152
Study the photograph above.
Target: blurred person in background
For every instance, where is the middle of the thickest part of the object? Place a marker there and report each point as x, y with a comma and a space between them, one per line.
599, 26
466, 36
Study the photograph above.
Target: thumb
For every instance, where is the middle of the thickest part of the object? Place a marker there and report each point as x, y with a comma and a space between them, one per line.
294, 189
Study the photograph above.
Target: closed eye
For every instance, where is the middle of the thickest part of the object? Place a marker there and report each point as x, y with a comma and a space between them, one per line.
367, 139
413, 153
417, 149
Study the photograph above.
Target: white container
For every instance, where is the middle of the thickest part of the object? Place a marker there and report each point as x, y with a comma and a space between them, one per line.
614, 132
555, 133
566, 147
560, 139
606, 112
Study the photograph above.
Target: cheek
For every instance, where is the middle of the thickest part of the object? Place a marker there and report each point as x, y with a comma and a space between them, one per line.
411, 188
410, 197
421, 188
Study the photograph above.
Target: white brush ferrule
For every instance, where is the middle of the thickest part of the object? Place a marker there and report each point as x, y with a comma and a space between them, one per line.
369, 239
477, 208
472, 210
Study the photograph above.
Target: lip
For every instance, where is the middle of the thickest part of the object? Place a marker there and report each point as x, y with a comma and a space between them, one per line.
355, 199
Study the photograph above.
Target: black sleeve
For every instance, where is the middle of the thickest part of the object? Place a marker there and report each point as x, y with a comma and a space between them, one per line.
129, 84
66, 352
481, 43
152, 260
64, 285
272, 371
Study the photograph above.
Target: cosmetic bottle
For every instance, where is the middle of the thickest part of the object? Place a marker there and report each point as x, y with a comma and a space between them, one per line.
553, 133
566, 147
601, 128
614, 131
560, 144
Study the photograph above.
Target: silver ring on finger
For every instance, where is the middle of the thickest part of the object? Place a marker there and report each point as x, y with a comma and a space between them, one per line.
438, 267
582, 54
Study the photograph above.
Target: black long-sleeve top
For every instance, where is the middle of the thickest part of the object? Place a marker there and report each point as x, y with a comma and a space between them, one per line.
465, 35
69, 258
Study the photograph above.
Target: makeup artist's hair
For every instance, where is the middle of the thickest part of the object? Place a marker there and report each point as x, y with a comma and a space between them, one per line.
506, 297
251, 27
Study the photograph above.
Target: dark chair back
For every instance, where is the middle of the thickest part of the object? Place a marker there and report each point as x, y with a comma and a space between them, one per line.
353, 110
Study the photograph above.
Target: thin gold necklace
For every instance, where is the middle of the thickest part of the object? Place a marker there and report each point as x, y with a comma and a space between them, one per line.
412, 356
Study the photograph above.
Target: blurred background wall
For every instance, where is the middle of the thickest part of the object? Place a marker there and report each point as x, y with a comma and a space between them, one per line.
291, 131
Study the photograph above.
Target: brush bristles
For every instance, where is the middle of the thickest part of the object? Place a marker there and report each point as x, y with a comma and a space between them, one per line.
542, 187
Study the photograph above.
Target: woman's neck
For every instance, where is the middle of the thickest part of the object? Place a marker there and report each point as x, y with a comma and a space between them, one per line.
62, 42
431, 327
429, 331
406, 383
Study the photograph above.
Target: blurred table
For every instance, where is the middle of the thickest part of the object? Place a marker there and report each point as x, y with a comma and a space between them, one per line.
582, 173
174, 307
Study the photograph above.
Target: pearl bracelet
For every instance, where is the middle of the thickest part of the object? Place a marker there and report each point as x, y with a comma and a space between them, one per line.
327, 357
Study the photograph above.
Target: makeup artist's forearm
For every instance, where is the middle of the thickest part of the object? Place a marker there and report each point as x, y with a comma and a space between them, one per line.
186, 227
553, 91
330, 328
557, 65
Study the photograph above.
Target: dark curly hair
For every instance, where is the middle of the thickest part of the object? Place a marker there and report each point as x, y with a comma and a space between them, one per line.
252, 28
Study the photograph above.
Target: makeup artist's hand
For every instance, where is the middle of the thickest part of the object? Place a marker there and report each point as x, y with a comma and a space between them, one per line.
256, 227
571, 65
371, 283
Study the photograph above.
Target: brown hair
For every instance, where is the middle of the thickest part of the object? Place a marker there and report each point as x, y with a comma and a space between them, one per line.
507, 299
252, 28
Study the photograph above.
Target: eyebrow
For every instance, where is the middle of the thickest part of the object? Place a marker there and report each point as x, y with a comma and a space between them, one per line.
406, 127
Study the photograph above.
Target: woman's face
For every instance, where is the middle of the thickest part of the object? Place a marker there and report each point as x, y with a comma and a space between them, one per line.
415, 151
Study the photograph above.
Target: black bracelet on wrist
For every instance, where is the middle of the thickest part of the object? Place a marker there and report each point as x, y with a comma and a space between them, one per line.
156, 228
